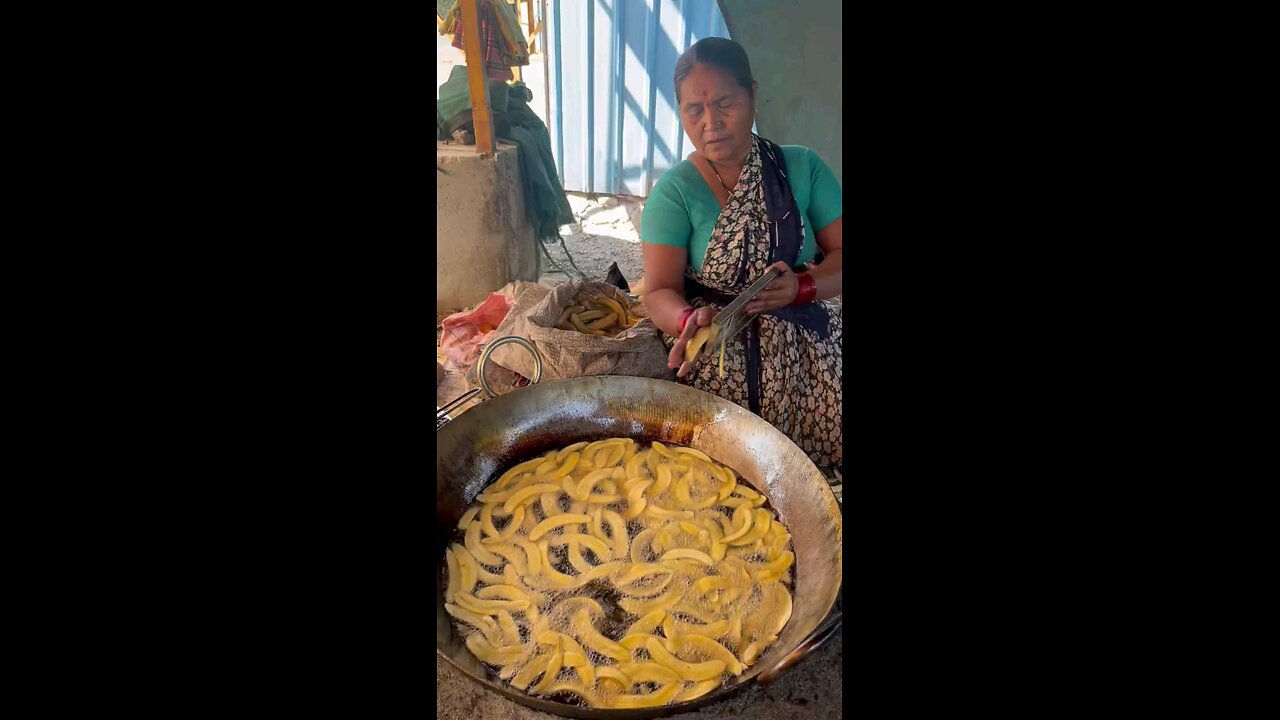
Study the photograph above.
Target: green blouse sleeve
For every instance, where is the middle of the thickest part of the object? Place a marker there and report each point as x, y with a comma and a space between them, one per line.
665, 220
826, 204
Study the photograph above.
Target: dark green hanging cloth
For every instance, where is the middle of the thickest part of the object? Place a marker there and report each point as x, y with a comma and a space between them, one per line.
545, 202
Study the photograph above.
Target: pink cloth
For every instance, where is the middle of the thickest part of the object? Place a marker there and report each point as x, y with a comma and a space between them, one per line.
463, 335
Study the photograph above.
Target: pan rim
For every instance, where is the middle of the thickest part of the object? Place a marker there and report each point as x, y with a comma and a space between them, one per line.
725, 410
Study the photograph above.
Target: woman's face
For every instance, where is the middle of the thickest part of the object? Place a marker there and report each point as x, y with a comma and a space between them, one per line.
717, 114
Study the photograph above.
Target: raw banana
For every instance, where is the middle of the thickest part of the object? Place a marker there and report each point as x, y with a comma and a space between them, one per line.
704, 336
596, 315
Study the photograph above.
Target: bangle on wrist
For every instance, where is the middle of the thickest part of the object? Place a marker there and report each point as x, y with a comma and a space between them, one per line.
685, 314
807, 290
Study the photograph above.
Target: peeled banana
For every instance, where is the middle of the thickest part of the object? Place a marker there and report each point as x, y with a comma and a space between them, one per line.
704, 336
596, 315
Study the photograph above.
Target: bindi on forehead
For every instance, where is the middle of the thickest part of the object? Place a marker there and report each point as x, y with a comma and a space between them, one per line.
708, 84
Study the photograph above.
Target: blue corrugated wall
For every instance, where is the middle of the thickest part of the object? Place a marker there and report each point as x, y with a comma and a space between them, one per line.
613, 119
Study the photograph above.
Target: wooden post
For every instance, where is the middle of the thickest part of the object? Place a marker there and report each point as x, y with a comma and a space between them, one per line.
477, 79
528, 5
515, 6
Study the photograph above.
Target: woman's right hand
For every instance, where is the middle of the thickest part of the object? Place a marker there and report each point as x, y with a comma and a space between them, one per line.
701, 317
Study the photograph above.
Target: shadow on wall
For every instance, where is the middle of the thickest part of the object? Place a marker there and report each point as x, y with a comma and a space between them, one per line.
620, 127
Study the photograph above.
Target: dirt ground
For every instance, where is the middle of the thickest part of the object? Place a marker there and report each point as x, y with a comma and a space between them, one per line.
607, 231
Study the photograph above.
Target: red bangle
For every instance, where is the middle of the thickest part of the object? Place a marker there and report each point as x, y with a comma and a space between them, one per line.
807, 291
684, 318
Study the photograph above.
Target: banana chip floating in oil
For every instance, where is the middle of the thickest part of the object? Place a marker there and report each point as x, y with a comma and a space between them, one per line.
615, 576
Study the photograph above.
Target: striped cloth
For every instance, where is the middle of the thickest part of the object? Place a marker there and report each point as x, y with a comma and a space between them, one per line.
499, 49
515, 51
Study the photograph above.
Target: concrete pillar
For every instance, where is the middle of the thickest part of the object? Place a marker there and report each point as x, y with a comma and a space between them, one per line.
483, 238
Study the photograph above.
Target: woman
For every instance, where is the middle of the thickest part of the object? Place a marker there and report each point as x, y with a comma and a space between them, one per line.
715, 223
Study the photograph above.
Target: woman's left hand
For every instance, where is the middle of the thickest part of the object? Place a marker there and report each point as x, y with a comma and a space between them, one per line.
777, 294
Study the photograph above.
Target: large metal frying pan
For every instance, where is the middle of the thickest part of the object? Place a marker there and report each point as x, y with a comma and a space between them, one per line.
475, 448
